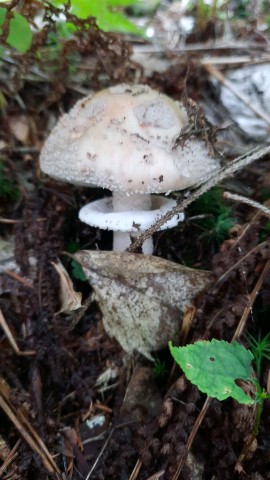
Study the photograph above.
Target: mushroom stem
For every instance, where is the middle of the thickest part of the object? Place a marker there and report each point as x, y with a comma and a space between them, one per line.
122, 240
130, 203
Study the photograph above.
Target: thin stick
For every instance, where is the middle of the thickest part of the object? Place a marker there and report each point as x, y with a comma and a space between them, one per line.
121, 425
198, 47
234, 60
9, 459
17, 277
225, 172
157, 475
192, 435
8, 220
11, 339
242, 259
247, 201
136, 470
219, 76
28, 433
252, 298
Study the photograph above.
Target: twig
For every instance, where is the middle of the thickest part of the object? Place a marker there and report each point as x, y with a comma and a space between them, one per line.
17, 277
252, 298
219, 76
121, 425
208, 400
236, 265
8, 220
10, 457
234, 60
247, 201
157, 475
197, 47
136, 470
225, 172
11, 339
192, 435
27, 431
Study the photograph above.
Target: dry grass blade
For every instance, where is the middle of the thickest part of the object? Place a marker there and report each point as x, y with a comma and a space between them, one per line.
23, 426
192, 435
104, 447
17, 277
157, 475
11, 339
8, 221
136, 470
239, 198
242, 259
252, 299
9, 459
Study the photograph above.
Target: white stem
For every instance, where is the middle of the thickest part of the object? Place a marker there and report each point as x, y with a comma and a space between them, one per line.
134, 202
122, 240
128, 203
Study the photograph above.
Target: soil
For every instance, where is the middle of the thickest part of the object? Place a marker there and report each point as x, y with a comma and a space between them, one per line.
73, 404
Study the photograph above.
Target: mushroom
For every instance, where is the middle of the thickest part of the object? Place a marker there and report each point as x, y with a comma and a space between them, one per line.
123, 139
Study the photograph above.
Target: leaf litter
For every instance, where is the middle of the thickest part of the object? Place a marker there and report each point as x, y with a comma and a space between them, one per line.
55, 389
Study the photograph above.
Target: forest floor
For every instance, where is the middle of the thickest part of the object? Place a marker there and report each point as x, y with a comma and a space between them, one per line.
73, 405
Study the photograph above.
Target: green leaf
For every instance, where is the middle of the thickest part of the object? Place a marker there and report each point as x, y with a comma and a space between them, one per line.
20, 34
3, 12
77, 271
215, 366
116, 22
121, 3
107, 19
8, 190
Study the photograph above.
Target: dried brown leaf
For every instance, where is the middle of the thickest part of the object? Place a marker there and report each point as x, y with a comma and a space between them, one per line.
142, 297
70, 300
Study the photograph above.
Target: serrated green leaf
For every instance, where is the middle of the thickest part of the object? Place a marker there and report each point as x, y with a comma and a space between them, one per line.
214, 366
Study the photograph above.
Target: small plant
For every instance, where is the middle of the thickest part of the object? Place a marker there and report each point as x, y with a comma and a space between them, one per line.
214, 366
76, 269
159, 369
260, 349
8, 191
217, 220
265, 232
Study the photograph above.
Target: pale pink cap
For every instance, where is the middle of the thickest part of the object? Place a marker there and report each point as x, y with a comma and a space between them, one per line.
123, 138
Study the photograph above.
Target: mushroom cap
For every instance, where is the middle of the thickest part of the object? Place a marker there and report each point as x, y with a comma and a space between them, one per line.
123, 139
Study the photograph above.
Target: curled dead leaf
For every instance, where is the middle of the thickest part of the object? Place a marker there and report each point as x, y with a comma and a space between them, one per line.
70, 300
19, 126
143, 298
